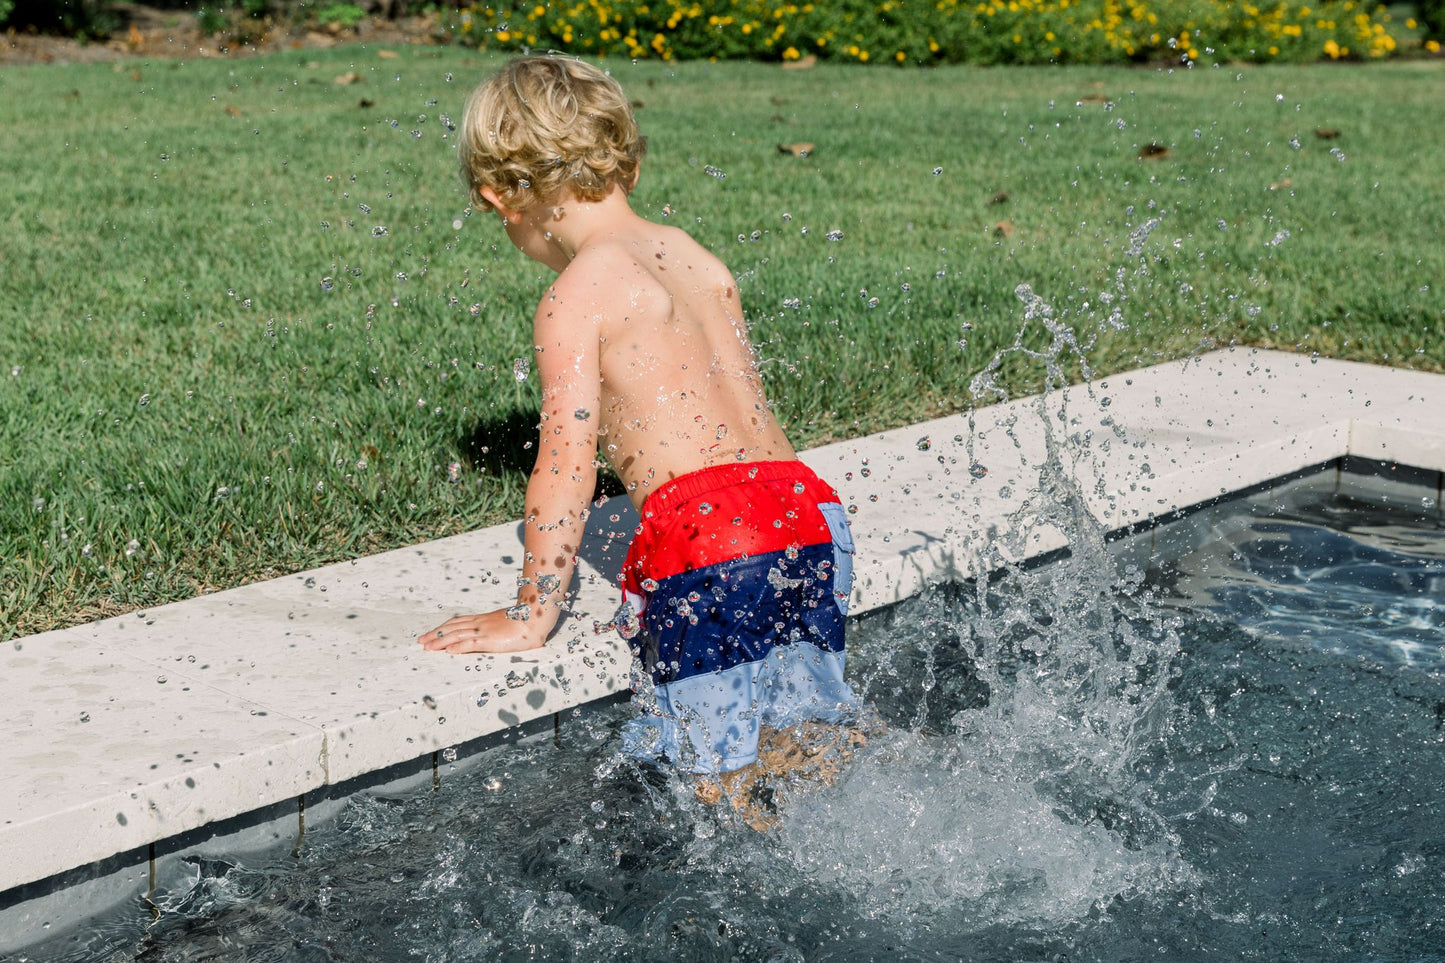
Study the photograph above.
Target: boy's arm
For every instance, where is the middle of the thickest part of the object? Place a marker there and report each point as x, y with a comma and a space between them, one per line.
567, 359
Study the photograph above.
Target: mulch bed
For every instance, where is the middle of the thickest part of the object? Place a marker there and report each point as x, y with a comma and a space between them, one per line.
150, 33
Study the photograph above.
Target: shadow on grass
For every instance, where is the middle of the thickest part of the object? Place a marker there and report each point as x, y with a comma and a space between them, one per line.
506, 443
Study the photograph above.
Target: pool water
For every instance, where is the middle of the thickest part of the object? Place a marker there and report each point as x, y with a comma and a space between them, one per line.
1238, 758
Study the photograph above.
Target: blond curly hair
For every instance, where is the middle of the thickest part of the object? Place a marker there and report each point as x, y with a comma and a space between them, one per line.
545, 126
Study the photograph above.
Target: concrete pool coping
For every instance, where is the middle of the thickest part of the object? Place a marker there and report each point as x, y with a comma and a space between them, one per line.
147, 726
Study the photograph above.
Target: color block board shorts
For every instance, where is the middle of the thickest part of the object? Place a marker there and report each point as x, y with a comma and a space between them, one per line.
735, 591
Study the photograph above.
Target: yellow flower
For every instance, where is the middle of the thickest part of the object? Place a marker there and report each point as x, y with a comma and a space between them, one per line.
791, 54
900, 56
1332, 48
1433, 46
503, 36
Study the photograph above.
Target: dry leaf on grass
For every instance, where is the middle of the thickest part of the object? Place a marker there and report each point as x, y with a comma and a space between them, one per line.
351, 77
233, 111
801, 149
1153, 152
1326, 133
387, 54
1281, 185
802, 63
1000, 198
1094, 99
1003, 229
365, 102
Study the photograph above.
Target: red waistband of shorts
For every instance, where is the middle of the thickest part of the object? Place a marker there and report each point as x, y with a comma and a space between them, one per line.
684, 488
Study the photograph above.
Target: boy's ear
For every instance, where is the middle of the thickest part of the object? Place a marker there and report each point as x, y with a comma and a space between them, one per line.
636, 176
495, 200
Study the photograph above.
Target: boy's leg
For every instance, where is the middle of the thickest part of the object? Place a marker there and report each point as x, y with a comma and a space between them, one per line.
808, 755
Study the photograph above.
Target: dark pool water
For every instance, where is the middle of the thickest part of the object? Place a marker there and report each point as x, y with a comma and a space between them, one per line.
1242, 758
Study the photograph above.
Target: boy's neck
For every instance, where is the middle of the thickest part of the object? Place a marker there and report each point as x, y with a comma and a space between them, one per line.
563, 228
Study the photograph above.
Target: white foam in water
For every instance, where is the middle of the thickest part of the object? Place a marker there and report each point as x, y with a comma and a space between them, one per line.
925, 826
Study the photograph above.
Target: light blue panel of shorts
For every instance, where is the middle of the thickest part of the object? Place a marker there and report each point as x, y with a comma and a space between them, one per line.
710, 722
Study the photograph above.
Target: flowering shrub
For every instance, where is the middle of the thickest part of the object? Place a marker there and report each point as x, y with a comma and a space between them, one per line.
934, 31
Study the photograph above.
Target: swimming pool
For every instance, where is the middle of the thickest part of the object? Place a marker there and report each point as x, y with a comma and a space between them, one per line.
1235, 757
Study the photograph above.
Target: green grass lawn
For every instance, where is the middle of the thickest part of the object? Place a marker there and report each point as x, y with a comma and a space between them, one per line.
247, 323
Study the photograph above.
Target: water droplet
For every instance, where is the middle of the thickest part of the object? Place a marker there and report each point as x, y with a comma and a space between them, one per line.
429, 702
87, 550
482, 700
519, 613
131, 547
1427, 503
704, 508
491, 783
379, 231
515, 681
937, 171
449, 754
977, 470
581, 414
454, 472
834, 235
712, 171
160, 680
85, 717
521, 367
143, 400
649, 585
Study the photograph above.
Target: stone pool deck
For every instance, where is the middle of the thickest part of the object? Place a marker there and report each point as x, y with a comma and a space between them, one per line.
146, 726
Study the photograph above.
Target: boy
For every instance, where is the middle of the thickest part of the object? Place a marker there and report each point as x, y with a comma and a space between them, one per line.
736, 584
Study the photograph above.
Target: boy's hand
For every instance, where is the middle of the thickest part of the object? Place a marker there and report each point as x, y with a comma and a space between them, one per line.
488, 632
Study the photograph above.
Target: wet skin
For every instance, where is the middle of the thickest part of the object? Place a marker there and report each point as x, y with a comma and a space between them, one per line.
643, 358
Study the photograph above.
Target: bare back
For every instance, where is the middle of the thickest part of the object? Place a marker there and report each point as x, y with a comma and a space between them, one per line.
679, 388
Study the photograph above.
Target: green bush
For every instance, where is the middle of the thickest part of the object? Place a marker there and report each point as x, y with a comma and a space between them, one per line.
1431, 13
83, 19
936, 31
344, 15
